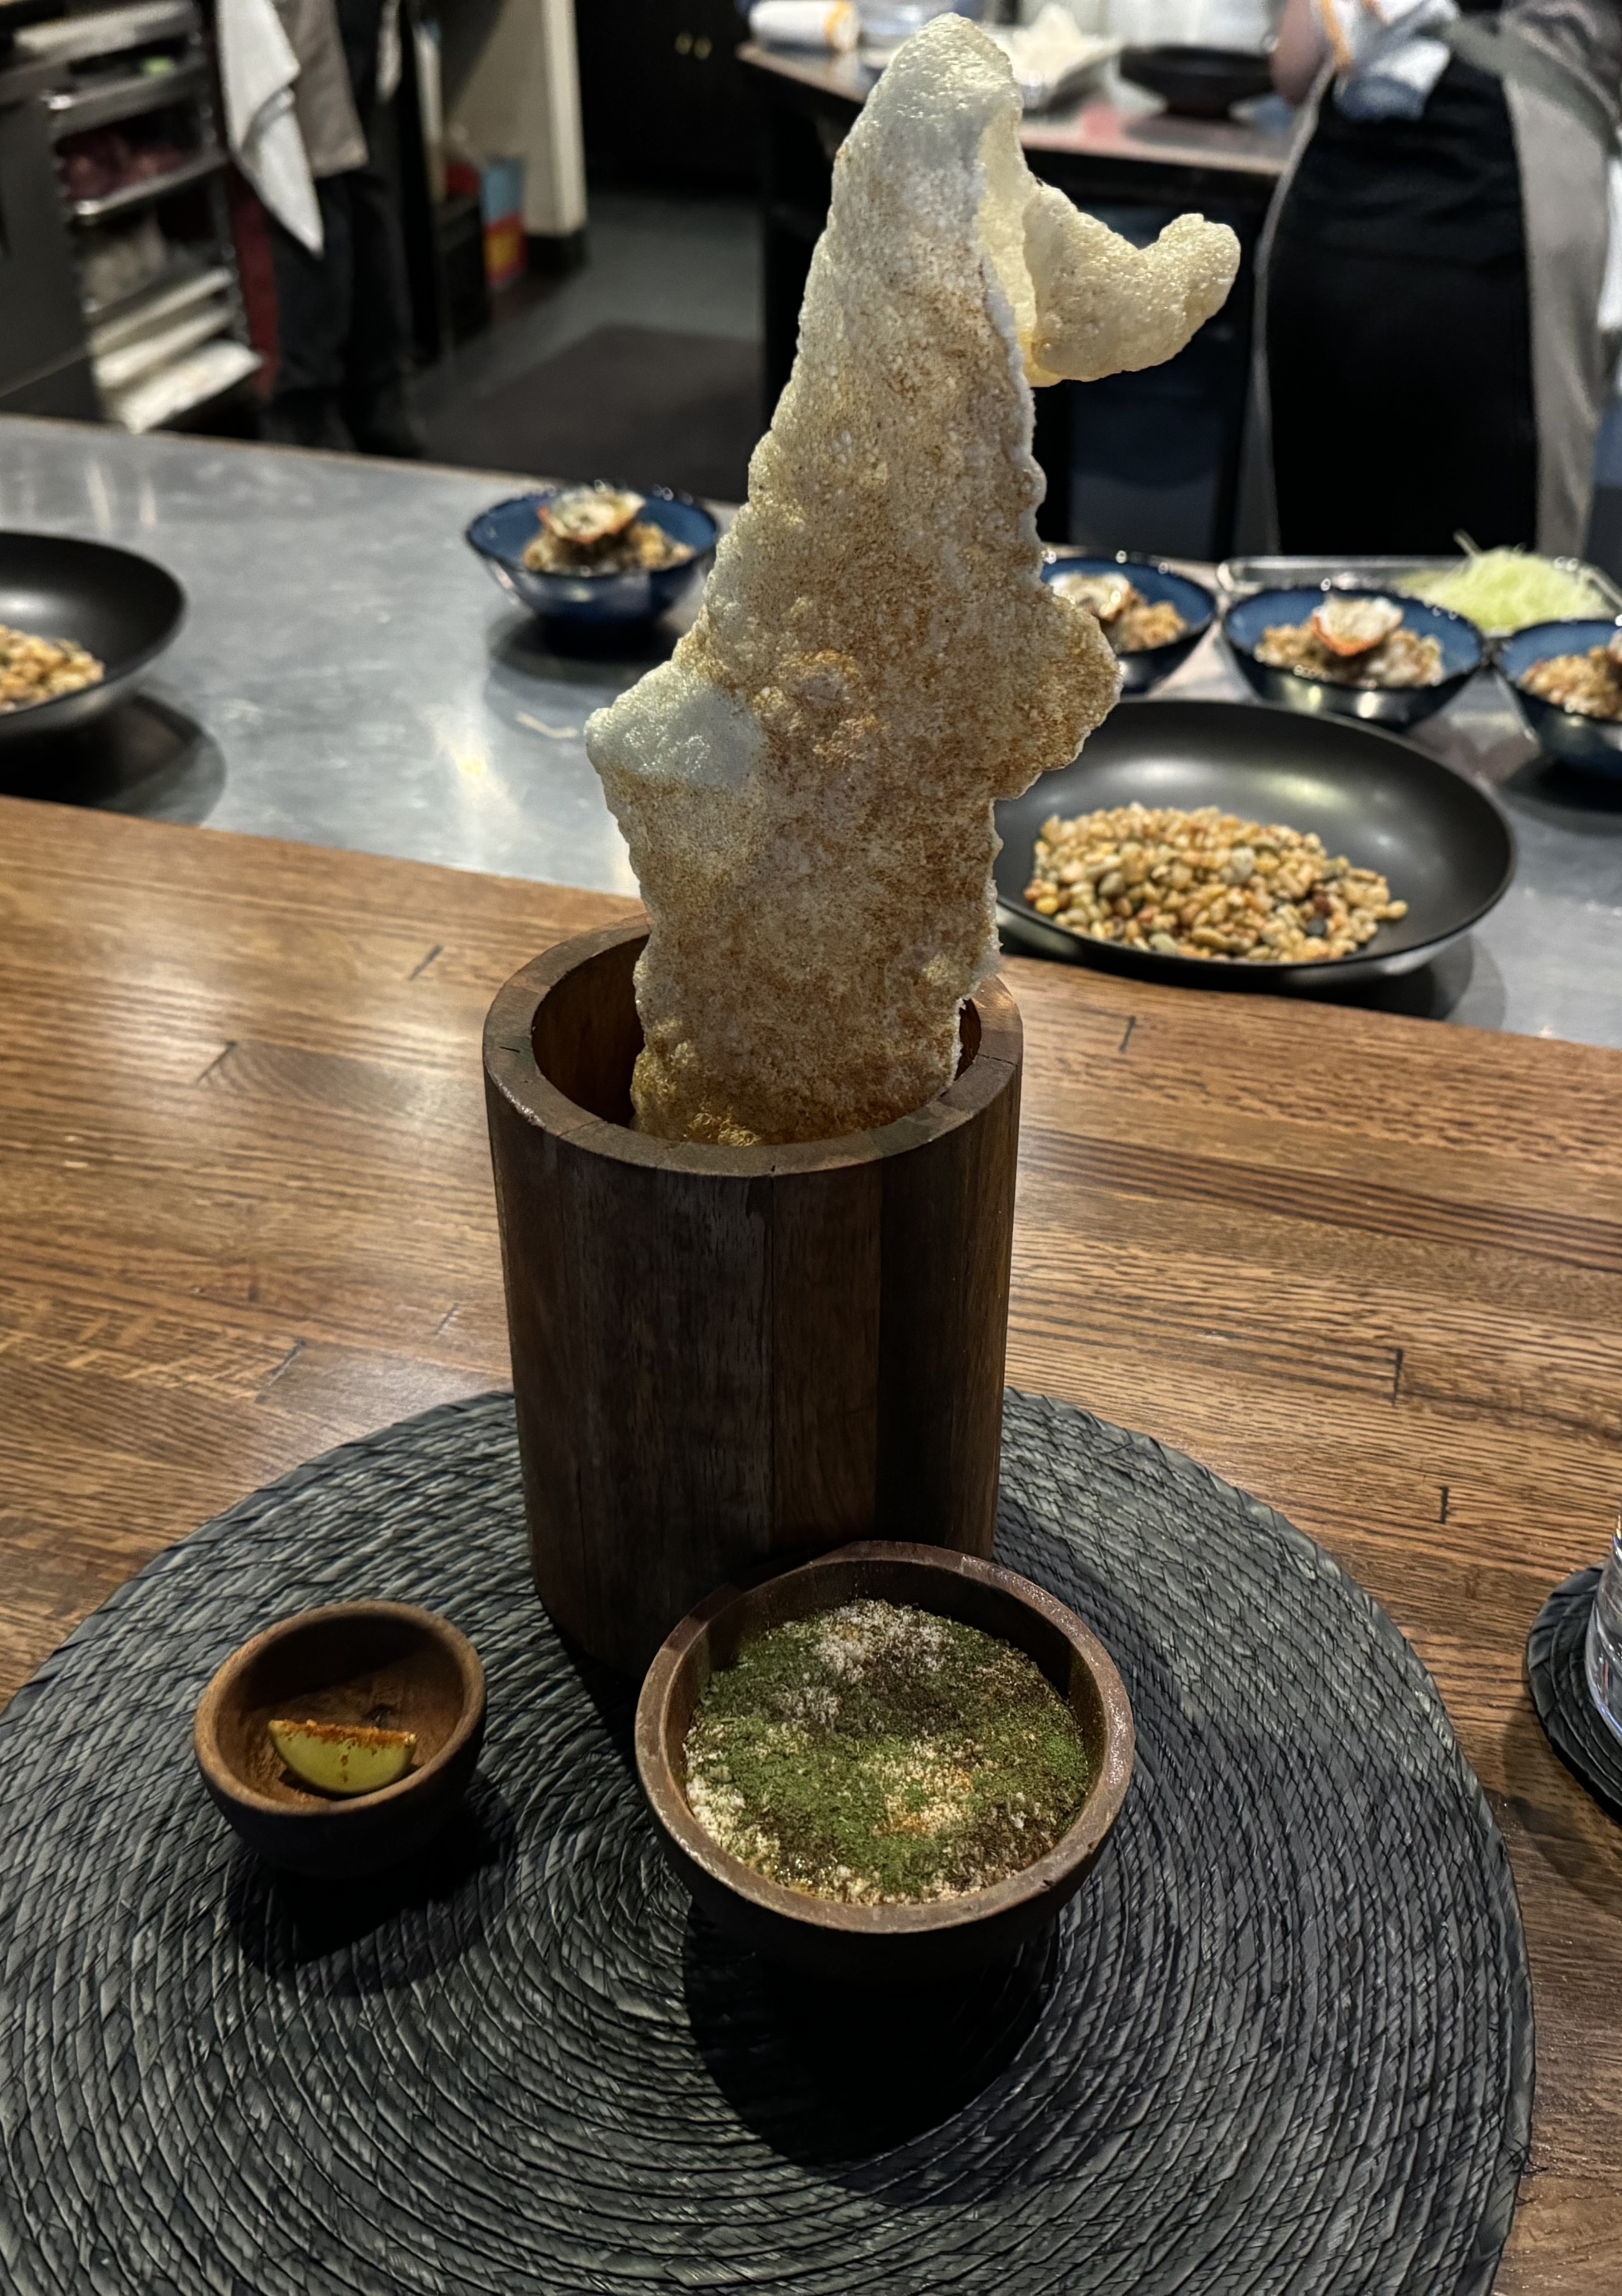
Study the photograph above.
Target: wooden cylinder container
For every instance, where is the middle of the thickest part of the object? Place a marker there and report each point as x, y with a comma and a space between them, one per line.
724, 1355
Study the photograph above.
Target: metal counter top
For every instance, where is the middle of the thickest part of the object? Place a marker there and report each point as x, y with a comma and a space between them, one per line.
1120, 122
357, 678
350, 676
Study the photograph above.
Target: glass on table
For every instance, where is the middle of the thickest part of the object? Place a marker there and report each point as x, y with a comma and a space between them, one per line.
1604, 1650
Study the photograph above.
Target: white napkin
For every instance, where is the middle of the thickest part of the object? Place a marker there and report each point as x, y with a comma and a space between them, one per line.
1385, 65
805, 23
258, 69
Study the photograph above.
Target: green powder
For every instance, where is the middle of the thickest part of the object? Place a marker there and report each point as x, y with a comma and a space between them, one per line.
883, 1756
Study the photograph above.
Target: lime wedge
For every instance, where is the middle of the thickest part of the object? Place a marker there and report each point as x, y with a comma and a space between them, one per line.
343, 1757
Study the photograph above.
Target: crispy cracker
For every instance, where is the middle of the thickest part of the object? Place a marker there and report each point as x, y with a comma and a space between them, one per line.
807, 786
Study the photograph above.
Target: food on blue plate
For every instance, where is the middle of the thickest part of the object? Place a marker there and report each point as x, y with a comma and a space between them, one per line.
1351, 626
39, 669
1505, 590
1590, 684
343, 1757
597, 531
1354, 641
1205, 884
806, 787
1128, 620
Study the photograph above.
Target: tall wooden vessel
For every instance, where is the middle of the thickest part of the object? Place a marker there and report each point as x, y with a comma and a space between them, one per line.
723, 1356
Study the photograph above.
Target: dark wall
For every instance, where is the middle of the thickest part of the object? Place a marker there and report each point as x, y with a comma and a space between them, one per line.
665, 103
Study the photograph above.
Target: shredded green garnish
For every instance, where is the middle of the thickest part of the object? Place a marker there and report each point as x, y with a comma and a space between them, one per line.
882, 1755
1505, 590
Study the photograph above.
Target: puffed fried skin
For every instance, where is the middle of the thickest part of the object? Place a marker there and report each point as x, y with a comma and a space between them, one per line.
807, 786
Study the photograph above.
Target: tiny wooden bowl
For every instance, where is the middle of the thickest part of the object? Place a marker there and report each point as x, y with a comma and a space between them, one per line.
893, 1945
386, 1664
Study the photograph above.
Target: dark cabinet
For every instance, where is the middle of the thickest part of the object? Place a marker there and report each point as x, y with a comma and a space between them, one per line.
44, 361
664, 101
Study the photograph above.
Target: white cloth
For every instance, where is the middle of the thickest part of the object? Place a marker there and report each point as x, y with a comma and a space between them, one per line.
257, 70
1385, 64
390, 57
1610, 290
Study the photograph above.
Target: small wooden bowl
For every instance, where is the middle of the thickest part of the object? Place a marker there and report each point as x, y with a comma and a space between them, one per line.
894, 1945
386, 1664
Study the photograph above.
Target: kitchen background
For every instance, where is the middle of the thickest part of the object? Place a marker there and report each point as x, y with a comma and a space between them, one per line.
585, 189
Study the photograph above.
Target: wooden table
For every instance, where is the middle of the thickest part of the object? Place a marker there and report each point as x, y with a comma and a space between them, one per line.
1369, 1267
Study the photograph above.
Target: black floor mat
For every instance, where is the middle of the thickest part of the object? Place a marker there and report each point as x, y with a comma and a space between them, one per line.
638, 404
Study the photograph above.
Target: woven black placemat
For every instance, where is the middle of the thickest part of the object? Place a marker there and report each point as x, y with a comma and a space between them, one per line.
1282, 2042
1558, 1679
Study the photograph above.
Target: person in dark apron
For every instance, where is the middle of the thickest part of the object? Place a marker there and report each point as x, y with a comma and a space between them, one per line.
1430, 290
343, 316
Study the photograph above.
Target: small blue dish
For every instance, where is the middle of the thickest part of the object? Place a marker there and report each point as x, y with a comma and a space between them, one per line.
502, 534
1160, 586
1594, 743
1463, 654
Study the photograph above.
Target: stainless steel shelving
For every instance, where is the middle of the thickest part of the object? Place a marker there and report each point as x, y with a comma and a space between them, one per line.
128, 98
129, 197
124, 65
109, 31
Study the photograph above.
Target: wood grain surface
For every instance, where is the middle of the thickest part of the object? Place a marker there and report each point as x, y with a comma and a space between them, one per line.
1368, 1267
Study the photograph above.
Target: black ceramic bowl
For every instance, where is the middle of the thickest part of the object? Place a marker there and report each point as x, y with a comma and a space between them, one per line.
884, 1945
1463, 651
1594, 743
501, 535
123, 607
1143, 671
1440, 840
1200, 83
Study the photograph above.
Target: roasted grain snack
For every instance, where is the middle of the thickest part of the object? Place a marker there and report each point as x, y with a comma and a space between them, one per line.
807, 786
34, 669
1206, 884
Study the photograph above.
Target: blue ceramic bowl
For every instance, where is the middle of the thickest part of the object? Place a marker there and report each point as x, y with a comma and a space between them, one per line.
1464, 653
501, 536
1595, 743
1159, 585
